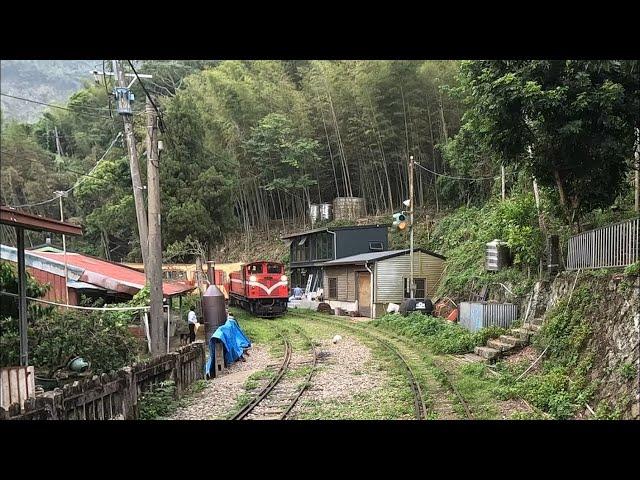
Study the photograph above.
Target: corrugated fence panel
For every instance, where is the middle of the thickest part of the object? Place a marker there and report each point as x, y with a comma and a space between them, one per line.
477, 315
615, 245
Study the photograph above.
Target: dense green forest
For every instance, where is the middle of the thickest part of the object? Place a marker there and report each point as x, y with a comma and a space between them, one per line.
248, 144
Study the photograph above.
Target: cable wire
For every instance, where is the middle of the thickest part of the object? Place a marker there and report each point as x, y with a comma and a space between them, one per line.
471, 179
57, 106
75, 184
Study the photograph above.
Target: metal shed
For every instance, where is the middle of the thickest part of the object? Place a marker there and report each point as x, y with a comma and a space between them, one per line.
368, 282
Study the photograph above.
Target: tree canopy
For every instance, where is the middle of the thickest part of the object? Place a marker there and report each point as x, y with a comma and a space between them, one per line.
249, 144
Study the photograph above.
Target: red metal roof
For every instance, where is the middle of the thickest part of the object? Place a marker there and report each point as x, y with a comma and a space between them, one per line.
11, 216
111, 275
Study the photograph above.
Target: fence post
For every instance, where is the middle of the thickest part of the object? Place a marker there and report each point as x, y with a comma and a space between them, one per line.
176, 374
53, 404
593, 248
129, 394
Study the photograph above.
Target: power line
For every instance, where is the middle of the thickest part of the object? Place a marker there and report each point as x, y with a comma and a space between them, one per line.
104, 78
75, 184
35, 160
471, 179
57, 106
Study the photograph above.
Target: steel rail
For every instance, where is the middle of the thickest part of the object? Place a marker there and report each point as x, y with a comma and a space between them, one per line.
308, 380
247, 409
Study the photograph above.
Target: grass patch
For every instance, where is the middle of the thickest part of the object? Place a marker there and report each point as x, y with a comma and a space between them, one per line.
627, 371
441, 336
242, 400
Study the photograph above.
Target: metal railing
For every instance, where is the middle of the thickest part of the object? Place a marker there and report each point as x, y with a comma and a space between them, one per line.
615, 245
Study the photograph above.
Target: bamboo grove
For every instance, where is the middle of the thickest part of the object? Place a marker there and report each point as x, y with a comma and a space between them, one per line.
249, 144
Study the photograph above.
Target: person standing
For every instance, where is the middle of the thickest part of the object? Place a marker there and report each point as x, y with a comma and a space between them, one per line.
192, 319
297, 292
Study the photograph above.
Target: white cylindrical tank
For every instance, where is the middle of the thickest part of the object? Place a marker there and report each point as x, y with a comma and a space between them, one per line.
314, 212
326, 211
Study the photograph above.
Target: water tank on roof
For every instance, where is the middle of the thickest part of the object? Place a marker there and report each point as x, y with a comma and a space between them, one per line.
497, 255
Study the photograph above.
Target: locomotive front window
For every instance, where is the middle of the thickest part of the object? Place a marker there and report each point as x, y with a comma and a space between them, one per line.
255, 268
274, 268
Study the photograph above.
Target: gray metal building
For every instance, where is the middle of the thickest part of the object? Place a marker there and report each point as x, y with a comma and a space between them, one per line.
309, 250
368, 282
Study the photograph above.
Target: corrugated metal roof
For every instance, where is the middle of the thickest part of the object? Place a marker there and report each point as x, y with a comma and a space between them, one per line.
351, 227
375, 256
84, 286
40, 263
111, 275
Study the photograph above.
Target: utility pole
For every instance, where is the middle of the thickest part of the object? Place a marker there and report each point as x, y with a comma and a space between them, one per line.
154, 265
503, 189
412, 285
58, 145
124, 109
61, 194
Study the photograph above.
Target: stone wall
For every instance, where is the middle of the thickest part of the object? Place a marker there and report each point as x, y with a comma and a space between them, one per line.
614, 322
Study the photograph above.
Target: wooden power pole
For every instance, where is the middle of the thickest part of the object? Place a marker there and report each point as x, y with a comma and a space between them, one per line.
124, 109
154, 266
412, 286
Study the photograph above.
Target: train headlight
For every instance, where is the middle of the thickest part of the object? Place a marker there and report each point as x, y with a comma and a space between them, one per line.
284, 278
252, 278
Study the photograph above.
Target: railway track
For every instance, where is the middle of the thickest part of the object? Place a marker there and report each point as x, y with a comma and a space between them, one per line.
447, 375
277, 398
420, 408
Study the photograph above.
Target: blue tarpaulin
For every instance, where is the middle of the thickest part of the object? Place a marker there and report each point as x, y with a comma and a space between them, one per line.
233, 340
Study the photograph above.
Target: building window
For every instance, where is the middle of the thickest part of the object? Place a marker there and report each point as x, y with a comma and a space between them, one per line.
333, 288
421, 287
376, 246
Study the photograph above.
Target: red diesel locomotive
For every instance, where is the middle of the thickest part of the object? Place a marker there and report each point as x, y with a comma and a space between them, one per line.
261, 288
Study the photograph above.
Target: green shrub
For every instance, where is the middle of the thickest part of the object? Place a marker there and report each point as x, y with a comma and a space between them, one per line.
102, 339
627, 371
462, 236
158, 403
440, 335
633, 269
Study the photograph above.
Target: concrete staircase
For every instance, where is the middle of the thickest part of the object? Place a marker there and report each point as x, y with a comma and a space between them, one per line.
516, 339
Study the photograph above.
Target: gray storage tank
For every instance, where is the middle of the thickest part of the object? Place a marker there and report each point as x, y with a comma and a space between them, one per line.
213, 307
497, 255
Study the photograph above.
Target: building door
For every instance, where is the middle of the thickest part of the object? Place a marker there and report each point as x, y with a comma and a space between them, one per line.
364, 293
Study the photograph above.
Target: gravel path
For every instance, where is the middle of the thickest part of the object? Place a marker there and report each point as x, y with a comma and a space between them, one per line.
344, 370
221, 392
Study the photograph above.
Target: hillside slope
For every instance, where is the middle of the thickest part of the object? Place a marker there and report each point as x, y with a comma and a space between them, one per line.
47, 81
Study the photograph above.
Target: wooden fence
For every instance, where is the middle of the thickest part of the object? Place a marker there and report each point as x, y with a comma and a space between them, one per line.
615, 245
113, 395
